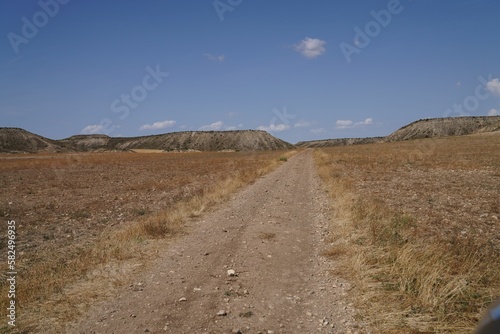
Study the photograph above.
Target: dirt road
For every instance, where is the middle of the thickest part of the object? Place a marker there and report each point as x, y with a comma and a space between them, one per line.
271, 235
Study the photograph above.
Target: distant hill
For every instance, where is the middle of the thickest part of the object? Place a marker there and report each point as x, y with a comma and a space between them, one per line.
443, 127
424, 128
339, 142
241, 140
15, 140
18, 140
86, 142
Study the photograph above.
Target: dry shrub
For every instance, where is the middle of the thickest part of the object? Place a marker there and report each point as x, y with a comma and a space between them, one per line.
267, 235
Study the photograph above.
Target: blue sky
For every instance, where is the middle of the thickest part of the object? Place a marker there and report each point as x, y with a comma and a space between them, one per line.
299, 69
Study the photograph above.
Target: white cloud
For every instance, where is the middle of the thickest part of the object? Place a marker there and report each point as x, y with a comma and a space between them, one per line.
367, 121
92, 129
344, 123
494, 112
216, 126
494, 86
348, 124
219, 58
320, 130
274, 127
302, 124
157, 125
231, 114
233, 127
310, 47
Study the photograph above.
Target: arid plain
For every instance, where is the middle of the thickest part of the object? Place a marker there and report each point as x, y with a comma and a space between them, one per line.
394, 237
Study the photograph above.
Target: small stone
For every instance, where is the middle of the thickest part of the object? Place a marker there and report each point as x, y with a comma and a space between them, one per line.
222, 313
231, 272
183, 299
237, 331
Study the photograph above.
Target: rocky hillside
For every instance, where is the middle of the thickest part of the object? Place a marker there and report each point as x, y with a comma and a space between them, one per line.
247, 140
15, 140
339, 142
442, 127
19, 140
86, 142
424, 128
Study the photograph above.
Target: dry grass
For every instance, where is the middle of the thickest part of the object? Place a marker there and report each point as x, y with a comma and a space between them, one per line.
87, 221
416, 226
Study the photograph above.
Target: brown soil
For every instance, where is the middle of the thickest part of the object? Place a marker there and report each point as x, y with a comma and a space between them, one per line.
271, 234
78, 214
61, 200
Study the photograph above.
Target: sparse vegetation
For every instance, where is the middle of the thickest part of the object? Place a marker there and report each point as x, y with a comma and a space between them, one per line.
283, 158
85, 224
267, 236
416, 227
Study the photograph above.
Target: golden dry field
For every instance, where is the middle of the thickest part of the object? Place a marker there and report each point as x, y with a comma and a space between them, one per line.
84, 221
417, 229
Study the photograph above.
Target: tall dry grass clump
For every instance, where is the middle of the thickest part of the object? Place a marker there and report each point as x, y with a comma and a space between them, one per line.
416, 226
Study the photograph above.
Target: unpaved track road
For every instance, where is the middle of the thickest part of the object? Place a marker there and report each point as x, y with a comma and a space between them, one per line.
271, 234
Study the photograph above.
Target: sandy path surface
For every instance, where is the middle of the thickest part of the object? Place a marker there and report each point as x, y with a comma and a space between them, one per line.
271, 234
